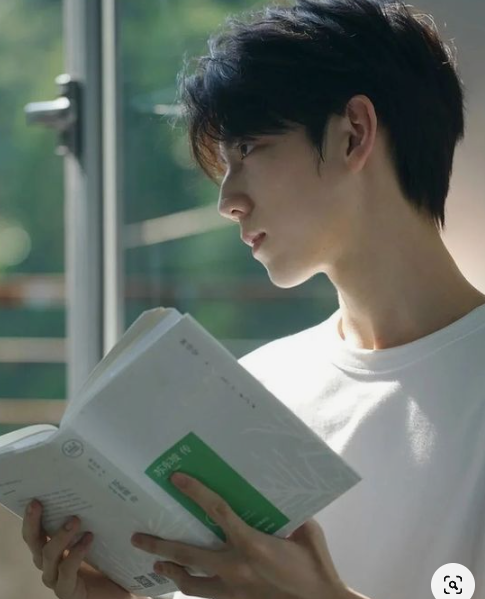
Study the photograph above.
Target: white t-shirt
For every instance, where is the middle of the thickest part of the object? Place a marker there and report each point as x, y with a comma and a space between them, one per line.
411, 421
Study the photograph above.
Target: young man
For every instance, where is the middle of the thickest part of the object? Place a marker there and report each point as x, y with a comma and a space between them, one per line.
331, 127
394, 380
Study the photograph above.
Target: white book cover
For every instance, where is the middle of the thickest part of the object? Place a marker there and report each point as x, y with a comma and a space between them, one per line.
169, 397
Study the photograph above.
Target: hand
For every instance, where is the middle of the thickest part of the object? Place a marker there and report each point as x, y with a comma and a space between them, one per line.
252, 563
63, 570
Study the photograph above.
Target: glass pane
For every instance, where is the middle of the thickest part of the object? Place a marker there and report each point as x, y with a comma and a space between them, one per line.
178, 250
32, 315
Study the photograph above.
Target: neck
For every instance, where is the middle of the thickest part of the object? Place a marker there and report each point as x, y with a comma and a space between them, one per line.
393, 297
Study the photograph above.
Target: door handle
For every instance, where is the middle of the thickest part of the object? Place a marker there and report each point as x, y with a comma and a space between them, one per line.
61, 114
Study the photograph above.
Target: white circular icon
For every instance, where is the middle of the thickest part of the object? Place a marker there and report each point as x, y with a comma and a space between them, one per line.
453, 580
72, 448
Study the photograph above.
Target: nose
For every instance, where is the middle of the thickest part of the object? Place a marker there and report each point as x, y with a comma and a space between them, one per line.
233, 203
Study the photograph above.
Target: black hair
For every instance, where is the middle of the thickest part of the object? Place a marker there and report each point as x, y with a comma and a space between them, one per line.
284, 66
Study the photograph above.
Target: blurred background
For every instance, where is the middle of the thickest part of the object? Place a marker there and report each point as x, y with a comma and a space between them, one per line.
103, 214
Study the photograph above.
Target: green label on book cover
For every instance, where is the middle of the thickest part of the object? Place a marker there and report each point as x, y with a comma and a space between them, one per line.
195, 458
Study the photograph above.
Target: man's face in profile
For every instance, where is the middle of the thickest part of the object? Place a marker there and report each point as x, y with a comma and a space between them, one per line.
274, 184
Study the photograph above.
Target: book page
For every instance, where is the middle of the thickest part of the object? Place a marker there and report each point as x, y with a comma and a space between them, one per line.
29, 435
70, 478
139, 333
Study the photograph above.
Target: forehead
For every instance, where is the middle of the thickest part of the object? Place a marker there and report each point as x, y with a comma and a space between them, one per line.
225, 149
227, 146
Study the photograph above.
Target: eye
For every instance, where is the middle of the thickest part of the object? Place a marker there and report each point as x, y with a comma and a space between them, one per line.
241, 147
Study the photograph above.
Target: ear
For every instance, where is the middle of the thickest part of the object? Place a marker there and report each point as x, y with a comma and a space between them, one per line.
362, 122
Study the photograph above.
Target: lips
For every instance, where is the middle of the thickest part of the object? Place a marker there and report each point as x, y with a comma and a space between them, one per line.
250, 238
257, 238
258, 241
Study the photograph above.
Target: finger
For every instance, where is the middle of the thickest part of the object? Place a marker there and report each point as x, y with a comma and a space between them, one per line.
211, 561
196, 586
33, 533
69, 567
53, 551
237, 531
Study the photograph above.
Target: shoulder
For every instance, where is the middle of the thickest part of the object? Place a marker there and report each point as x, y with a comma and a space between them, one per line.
283, 353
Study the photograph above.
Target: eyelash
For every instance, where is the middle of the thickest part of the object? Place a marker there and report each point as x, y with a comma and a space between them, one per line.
225, 164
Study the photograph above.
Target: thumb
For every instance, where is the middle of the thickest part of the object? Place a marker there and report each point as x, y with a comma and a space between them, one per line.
311, 536
307, 530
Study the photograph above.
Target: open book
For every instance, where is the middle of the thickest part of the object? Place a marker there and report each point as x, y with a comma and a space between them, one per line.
169, 397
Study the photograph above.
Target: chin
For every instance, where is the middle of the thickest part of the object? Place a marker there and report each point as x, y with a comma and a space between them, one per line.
288, 279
